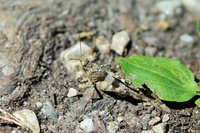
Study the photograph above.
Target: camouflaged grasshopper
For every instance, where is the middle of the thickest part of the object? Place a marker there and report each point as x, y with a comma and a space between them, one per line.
102, 80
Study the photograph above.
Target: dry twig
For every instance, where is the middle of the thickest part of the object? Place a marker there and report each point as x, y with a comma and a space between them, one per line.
10, 118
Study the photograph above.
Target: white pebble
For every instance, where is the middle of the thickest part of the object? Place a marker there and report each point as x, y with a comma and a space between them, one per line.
165, 118
29, 119
14, 131
103, 45
154, 121
39, 104
87, 125
192, 6
186, 38
119, 119
147, 131
112, 126
160, 128
120, 41
168, 7
72, 92
71, 56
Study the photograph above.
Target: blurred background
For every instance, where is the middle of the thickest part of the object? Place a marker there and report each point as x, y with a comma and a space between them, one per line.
34, 33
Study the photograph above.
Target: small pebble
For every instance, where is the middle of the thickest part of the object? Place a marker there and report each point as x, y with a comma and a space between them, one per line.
15, 131
119, 119
147, 131
87, 125
144, 119
154, 121
38, 104
120, 41
186, 38
71, 56
85, 34
60, 107
43, 127
49, 111
144, 27
165, 108
185, 112
112, 126
103, 45
168, 7
82, 87
163, 25
60, 23
29, 119
160, 128
102, 112
192, 6
72, 92
150, 51
165, 118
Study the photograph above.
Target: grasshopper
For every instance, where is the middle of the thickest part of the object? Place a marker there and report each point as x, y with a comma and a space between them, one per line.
103, 81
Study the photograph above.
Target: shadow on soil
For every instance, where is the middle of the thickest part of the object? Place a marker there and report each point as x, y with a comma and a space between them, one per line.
127, 98
173, 105
182, 105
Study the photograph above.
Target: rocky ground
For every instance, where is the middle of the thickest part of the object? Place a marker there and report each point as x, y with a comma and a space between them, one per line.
39, 80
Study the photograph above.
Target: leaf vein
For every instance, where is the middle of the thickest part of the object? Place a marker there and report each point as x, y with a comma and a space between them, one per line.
160, 75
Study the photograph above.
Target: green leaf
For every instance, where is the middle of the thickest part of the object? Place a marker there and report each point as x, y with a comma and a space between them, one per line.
198, 27
168, 78
197, 102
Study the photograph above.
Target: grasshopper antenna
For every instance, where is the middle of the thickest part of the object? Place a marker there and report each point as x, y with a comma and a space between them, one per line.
83, 60
80, 46
81, 55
